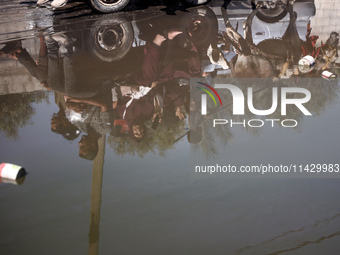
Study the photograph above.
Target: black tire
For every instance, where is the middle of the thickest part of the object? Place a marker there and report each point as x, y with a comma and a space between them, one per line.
271, 15
194, 2
108, 6
206, 31
111, 38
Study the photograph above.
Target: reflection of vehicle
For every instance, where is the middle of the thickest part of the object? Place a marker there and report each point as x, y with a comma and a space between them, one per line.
111, 47
270, 11
263, 29
112, 37
273, 11
107, 6
268, 23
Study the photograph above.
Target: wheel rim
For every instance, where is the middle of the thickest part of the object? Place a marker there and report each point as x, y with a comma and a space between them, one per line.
271, 8
110, 38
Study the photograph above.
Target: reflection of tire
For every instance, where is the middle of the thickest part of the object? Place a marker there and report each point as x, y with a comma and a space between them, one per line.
107, 6
194, 2
111, 38
272, 12
201, 24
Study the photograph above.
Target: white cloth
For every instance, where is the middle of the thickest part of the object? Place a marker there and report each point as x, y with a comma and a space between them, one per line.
136, 95
73, 116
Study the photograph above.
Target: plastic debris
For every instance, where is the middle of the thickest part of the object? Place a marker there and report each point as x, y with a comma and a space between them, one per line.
328, 75
306, 64
11, 171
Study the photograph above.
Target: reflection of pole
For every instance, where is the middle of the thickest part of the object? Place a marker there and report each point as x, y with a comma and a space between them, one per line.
96, 190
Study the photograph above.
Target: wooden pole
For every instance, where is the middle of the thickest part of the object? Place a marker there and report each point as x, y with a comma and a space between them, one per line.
96, 191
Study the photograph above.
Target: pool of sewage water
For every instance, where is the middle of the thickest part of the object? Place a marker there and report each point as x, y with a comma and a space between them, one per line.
143, 132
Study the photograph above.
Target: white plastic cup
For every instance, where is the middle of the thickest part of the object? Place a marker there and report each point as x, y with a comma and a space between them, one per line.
306, 64
328, 75
11, 172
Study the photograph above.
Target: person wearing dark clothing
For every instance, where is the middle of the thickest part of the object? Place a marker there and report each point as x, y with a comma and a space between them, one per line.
160, 63
157, 85
136, 111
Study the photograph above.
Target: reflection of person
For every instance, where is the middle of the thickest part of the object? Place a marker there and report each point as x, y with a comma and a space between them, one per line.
88, 145
61, 66
55, 3
38, 68
66, 73
159, 59
55, 67
58, 67
136, 108
92, 116
60, 124
157, 85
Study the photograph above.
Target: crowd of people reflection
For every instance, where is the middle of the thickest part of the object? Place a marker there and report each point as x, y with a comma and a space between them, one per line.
135, 88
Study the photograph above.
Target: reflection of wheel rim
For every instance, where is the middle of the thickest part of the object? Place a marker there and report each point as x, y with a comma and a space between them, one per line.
201, 25
271, 10
111, 39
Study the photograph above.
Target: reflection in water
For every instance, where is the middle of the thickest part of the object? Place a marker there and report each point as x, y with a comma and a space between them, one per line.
96, 190
231, 56
126, 80
323, 94
278, 57
290, 236
118, 77
320, 240
60, 123
17, 111
104, 76
19, 181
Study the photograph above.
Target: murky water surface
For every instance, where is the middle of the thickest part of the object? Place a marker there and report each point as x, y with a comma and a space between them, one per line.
119, 118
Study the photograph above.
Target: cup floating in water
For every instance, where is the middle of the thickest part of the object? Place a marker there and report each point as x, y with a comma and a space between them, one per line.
328, 75
11, 171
